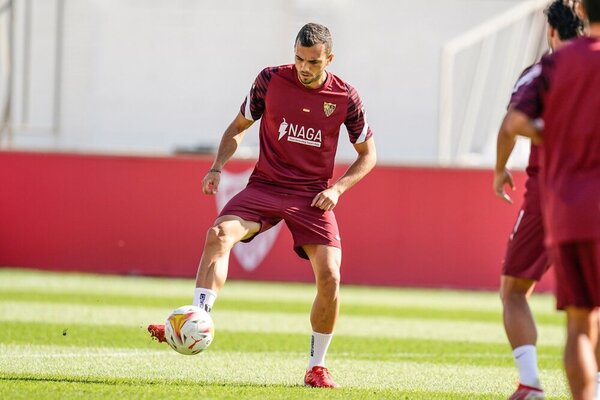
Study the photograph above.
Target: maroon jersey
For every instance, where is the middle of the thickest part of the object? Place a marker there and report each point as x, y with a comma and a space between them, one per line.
299, 127
566, 94
526, 256
528, 74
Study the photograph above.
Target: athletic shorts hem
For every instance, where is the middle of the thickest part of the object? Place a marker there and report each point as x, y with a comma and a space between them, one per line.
302, 254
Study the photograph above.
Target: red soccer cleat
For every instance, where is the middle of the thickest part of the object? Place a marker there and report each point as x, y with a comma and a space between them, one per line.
319, 377
525, 392
157, 332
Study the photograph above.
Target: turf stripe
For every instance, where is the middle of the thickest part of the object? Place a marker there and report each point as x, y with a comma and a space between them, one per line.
276, 322
11, 279
28, 387
228, 303
348, 347
283, 369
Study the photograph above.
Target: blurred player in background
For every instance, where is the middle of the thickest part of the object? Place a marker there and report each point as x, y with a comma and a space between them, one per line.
301, 107
565, 93
526, 259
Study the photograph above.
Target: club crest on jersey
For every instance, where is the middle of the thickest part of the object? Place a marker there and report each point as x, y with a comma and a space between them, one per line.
300, 134
328, 108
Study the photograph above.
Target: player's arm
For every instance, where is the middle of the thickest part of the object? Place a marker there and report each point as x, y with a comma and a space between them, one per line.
526, 105
232, 137
515, 123
364, 163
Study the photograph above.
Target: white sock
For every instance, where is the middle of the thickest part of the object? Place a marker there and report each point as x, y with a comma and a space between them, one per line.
526, 360
204, 298
597, 386
319, 343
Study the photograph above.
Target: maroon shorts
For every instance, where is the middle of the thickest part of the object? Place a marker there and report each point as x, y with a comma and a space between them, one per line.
577, 269
526, 255
268, 205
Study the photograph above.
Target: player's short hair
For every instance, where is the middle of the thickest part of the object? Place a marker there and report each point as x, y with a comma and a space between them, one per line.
312, 34
592, 9
561, 16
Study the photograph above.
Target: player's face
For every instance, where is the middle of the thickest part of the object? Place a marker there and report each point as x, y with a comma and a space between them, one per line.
311, 63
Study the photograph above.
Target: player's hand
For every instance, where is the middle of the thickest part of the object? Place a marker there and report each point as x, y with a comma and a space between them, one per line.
210, 183
500, 180
326, 200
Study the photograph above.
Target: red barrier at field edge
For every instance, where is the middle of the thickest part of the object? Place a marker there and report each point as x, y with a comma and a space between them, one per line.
417, 227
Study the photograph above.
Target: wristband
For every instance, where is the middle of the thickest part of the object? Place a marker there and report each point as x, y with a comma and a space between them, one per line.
214, 170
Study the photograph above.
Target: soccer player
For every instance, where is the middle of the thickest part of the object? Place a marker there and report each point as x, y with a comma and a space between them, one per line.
526, 259
301, 107
565, 94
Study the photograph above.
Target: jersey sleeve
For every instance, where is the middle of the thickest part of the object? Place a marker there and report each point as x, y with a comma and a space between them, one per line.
356, 119
253, 105
525, 78
529, 97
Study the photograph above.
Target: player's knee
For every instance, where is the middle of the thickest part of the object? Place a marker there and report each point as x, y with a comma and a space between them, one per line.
512, 294
217, 237
515, 289
328, 283
503, 292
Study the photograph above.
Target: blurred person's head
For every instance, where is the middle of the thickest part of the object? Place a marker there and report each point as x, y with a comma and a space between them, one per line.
313, 47
563, 23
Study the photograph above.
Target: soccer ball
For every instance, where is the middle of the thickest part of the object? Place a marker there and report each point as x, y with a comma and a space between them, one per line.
189, 330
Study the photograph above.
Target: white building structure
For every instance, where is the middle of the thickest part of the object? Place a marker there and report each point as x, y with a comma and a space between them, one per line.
152, 76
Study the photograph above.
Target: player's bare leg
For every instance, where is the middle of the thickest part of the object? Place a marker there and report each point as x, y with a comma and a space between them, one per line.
579, 357
326, 262
597, 354
518, 319
522, 333
214, 264
212, 271
519, 325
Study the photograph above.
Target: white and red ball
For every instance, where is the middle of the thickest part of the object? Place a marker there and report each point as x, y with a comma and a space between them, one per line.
189, 330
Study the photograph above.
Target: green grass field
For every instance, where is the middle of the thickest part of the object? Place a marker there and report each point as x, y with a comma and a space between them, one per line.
69, 336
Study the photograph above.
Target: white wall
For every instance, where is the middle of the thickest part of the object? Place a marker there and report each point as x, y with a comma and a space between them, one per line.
152, 75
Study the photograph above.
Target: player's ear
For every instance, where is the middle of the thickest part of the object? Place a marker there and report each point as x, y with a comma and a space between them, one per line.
330, 58
550, 35
580, 10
